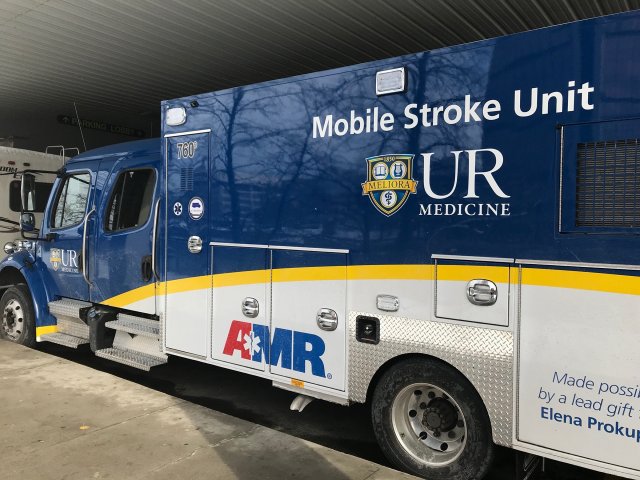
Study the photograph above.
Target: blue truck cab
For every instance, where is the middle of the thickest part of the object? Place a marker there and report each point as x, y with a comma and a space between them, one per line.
95, 242
452, 236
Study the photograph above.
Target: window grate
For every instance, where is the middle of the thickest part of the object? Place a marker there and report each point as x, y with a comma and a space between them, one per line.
186, 179
608, 184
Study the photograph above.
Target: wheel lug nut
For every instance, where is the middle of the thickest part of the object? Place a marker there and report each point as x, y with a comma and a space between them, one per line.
431, 395
412, 413
436, 433
452, 434
423, 435
423, 406
417, 393
444, 446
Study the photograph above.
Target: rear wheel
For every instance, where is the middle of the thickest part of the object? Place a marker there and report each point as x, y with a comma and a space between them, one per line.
17, 323
430, 421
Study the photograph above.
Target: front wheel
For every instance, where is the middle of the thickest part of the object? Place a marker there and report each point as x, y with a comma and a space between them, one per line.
17, 322
430, 421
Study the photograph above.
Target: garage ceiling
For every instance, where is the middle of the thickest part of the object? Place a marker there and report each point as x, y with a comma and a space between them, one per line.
127, 56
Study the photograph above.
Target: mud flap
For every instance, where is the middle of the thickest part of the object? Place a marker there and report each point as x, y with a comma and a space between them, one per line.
528, 466
100, 337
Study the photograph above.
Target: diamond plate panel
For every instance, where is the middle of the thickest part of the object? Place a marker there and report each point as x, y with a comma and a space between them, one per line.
483, 355
132, 359
67, 308
144, 345
64, 339
74, 327
136, 325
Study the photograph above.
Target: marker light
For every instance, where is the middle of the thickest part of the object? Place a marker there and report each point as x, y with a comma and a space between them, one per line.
391, 81
175, 116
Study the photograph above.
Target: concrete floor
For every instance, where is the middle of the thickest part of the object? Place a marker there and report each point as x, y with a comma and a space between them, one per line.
62, 420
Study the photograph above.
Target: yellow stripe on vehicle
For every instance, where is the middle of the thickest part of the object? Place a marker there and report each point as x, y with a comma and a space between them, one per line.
240, 278
187, 284
601, 282
45, 330
579, 280
390, 272
132, 296
307, 274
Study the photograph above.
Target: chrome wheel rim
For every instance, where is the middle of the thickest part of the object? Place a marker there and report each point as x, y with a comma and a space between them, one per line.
429, 424
13, 319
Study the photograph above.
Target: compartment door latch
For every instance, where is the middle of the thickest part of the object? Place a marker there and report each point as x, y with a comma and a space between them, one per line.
482, 292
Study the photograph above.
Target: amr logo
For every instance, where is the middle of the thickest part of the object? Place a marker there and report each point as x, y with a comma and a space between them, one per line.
288, 349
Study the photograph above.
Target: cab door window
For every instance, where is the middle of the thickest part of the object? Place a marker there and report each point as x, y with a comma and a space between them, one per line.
71, 202
130, 202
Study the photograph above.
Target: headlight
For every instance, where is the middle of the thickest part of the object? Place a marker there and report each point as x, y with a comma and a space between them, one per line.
23, 244
9, 248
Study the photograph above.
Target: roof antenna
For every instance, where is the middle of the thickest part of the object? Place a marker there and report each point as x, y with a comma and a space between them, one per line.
79, 125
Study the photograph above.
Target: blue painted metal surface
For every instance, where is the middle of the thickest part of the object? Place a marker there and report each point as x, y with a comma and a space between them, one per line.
187, 183
272, 182
116, 257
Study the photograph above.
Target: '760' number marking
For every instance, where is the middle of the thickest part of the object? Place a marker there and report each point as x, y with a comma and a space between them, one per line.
187, 149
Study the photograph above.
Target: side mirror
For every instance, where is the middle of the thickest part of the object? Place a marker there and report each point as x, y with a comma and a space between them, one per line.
28, 192
27, 222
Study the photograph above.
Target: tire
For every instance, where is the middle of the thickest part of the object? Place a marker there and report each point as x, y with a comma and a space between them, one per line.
430, 421
17, 321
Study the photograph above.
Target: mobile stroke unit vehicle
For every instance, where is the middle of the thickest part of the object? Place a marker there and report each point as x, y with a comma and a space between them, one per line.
450, 235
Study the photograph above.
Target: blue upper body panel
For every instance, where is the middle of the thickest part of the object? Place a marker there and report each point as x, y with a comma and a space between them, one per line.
276, 179
150, 146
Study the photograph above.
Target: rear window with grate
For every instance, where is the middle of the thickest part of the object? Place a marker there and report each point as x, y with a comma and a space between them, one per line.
608, 184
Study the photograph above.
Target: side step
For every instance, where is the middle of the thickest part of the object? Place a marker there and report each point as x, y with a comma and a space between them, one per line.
133, 359
67, 307
135, 325
72, 331
136, 343
64, 339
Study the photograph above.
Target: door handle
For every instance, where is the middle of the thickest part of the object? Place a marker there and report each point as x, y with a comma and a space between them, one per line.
327, 319
85, 273
482, 292
250, 307
146, 269
154, 235
194, 244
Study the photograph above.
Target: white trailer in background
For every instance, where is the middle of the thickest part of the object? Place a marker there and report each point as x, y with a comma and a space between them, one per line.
13, 161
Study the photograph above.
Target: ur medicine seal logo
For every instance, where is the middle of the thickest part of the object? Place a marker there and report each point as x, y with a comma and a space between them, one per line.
389, 182
55, 259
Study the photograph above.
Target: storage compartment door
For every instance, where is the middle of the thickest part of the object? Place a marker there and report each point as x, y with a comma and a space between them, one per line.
240, 309
578, 389
308, 320
473, 292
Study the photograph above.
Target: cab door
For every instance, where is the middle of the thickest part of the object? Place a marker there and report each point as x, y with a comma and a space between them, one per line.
187, 278
121, 252
66, 227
